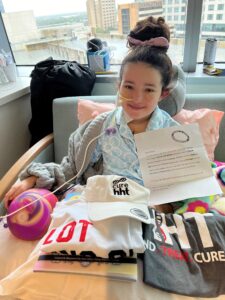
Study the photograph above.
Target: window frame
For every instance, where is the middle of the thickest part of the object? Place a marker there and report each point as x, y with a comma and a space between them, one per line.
4, 42
192, 34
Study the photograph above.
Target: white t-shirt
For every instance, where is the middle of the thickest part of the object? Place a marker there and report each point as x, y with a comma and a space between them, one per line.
71, 230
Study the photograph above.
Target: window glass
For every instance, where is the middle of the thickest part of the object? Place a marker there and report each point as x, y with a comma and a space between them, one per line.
125, 21
213, 26
211, 7
61, 29
210, 17
219, 17
220, 6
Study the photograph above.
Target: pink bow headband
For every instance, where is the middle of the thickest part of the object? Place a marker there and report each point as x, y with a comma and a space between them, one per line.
154, 42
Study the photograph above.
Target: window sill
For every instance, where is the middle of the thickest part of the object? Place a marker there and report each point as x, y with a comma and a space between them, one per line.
199, 82
14, 90
196, 82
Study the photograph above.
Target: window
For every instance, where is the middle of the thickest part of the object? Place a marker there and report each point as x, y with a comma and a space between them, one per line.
220, 6
62, 29
125, 21
210, 17
211, 7
210, 28
219, 17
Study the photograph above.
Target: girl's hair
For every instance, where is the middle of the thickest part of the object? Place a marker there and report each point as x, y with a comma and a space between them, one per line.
149, 28
154, 58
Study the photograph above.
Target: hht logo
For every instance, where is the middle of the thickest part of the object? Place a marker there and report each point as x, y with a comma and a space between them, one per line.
120, 187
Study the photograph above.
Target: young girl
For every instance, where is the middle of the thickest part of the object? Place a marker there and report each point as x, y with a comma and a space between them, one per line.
144, 77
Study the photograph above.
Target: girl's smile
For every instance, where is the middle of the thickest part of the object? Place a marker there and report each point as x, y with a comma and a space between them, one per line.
134, 106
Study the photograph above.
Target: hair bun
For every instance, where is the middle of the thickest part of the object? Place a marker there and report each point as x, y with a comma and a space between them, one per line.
149, 28
160, 20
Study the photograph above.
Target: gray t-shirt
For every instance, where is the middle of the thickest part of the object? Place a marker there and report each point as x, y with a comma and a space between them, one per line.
185, 254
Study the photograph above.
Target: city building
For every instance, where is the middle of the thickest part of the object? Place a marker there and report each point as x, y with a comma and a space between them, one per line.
21, 28
59, 41
213, 17
174, 12
129, 14
101, 14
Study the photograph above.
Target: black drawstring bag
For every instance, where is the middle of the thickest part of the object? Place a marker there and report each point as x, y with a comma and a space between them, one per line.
55, 79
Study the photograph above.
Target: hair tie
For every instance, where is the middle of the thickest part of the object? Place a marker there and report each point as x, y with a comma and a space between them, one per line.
154, 42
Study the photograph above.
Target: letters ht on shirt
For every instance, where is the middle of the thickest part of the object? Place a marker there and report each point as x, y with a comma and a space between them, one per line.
162, 232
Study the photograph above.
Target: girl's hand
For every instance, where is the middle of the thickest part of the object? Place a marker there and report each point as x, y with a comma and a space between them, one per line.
17, 188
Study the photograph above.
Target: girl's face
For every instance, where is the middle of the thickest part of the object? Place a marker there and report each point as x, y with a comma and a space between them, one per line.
140, 90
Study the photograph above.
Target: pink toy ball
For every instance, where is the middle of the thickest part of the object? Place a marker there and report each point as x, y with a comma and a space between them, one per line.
32, 222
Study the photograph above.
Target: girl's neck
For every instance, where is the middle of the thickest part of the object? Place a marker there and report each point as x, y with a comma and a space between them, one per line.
138, 126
